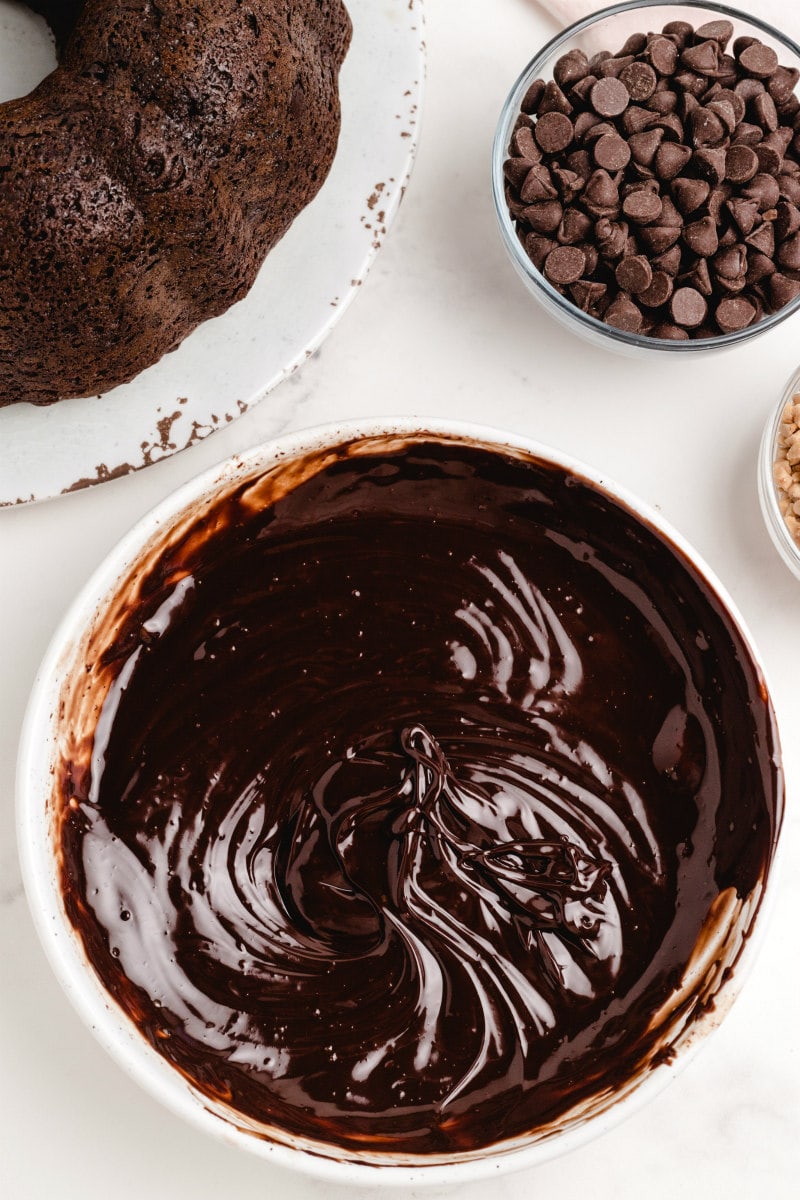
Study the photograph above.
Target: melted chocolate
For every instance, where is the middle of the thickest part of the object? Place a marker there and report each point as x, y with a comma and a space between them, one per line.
410, 796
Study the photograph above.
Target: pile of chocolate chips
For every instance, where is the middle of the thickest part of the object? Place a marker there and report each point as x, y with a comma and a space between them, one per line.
659, 188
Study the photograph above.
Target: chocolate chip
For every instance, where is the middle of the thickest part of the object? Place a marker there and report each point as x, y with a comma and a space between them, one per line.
565, 264
544, 217
592, 258
764, 189
663, 55
554, 100
782, 83
553, 132
680, 32
669, 213
623, 314
669, 261
634, 274
700, 278
611, 152
730, 263
538, 247
614, 66
710, 164
579, 92
599, 130
571, 67
636, 119
658, 292
588, 295
601, 195
568, 183
720, 32
642, 206
748, 88
612, 237
725, 113
580, 164
688, 307
759, 268
765, 112
707, 129
635, 44
658, 238
744, 213
583, 123
789, 254
690, 194
530, 101
672, 126
538, 185
769, 156
719, 196
736, 102
733, 314
669, 333
747, 134
789, 188
782, 290
515, 171
644, 145
758, 60
741, 163
763, 239
663, 103
523, 144
702, 59
701, 237
609, 97
670, 159
787, 219
575, 227
691, 84
640, 79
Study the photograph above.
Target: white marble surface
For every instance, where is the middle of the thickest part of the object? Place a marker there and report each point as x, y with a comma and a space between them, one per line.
442, 327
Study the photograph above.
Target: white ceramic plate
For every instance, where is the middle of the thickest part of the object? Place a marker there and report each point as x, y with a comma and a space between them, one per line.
307, 282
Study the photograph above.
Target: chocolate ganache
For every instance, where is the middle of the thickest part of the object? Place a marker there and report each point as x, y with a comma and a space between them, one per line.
422, 772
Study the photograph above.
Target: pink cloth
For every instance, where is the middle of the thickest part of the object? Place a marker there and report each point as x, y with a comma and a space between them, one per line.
780, 14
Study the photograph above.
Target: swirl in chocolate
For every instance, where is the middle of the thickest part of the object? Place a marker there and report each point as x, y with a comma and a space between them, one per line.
417, 781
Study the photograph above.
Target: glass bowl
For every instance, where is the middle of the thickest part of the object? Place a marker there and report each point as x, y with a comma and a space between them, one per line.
608, 30
769, 491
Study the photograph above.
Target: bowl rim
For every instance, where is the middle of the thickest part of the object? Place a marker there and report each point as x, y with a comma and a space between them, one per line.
777, 528
99, 1011
537, 283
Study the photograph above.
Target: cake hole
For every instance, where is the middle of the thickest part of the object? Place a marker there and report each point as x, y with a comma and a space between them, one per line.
27, 50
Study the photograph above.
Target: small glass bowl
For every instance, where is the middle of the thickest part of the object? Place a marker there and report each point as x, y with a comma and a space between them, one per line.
608, 30
768, 491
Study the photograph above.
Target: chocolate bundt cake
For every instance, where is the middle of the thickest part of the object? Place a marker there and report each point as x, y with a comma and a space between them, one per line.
143, 182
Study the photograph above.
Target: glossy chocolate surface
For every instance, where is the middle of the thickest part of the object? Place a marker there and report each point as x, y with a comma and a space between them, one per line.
411, 796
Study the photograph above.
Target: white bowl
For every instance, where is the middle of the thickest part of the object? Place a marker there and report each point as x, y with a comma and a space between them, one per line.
716, 969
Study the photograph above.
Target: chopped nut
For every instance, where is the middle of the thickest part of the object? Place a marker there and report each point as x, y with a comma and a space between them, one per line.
782, 475
786, 467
